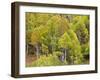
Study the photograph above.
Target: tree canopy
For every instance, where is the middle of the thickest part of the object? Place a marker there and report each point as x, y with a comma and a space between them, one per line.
64, 34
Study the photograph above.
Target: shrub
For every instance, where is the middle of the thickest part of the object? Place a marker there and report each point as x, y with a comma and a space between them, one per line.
50, 60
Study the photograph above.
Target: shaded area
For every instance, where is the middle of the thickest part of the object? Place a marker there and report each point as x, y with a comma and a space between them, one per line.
29, 59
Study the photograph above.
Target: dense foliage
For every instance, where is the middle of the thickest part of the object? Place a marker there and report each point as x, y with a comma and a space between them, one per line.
57, 39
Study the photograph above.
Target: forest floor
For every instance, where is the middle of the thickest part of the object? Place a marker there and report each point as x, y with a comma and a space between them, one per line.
29, 59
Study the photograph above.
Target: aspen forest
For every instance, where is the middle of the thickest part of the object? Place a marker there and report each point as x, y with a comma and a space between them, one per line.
56, 39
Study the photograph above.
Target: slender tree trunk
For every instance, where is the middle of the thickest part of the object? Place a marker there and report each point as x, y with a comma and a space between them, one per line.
53, 49
37, 51
50, 48
27, 49
62, 58
72, 61
65, 54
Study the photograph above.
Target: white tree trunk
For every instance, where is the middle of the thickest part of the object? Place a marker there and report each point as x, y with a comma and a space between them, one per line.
37, 51
65, 54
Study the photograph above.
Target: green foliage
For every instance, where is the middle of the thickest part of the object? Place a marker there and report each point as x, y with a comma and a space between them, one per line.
80, 26
58, 25
50, 60
58, 34
75, 49
64, 41
67, 41
45, 49
57, 53
85, 49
